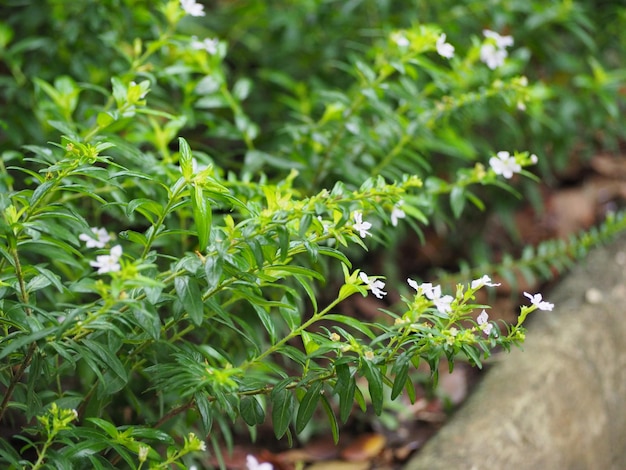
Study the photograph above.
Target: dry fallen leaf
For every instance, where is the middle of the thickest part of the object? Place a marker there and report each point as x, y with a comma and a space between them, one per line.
364, 447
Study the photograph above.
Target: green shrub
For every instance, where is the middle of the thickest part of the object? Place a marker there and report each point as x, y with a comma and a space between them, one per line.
157, 291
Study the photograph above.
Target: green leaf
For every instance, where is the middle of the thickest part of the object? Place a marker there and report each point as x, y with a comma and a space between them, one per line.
307, 406
213, 270
251, 411
282, 410
401, 371
147, 318
186, 159
110, 362
146, 207
332, 419
106, 426
472, 354
119, 91
204, 408
267, 321
457, 200
189, 294
375, 384
202, 215
353, 322
310, 344
345, 388
104, 119
23, 341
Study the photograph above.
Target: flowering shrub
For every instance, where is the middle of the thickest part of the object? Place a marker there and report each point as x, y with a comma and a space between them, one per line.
168, 265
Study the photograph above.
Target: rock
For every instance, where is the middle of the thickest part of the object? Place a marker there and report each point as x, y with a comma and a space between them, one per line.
560, 403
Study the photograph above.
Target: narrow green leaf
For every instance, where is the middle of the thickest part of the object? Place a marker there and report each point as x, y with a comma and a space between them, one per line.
345, 388
410, 390
106, 426
282, 410
307, 406
267, 321
375, 384
186, 158
23, 341
204, 408
202, 215
108, 360
360, 399
401, 372
147, 318
457, 201
352, 322
332, 419
472, 354
189, 294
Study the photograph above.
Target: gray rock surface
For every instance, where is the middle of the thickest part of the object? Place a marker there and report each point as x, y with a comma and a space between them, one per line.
561, 402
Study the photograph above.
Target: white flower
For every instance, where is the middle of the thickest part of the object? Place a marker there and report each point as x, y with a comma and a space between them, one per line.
413, 284
253, 464
209, 45
360, 226
375, 285
492, 56
102, 237
483, 323
192, 8
504, 164
534, 158
108, 263
501, 41
397, 213
400, 39
493, 52
444, 49
537, 302
442, 304
484, 281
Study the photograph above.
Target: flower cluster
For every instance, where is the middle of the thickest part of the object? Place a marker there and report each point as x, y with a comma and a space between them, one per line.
375, 285
98, 239
504, 164
360, 226
442, 303
493, 52
108, 263
397, 213
444, 49
400, 39
483, 324
209, 44
192, 8
253, 464
537, 301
